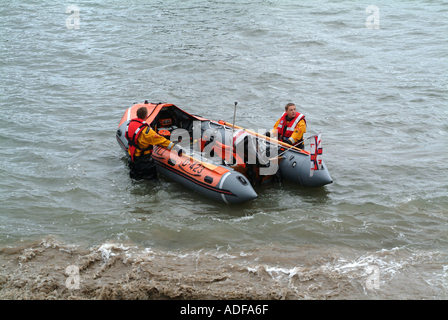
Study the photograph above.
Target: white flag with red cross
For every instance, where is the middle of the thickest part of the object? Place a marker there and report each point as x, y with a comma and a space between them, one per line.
316, 153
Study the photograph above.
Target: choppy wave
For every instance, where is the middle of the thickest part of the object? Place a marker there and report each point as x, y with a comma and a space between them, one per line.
44, 270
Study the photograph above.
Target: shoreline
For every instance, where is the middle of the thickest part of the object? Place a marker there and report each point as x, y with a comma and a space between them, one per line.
48, 270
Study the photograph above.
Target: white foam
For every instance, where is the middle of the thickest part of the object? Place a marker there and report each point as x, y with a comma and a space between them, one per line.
107, 248
276, 272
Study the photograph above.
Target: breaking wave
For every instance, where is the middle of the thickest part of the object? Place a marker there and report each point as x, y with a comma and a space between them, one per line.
51, 269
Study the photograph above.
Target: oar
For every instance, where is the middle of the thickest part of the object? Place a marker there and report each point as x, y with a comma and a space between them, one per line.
283, 144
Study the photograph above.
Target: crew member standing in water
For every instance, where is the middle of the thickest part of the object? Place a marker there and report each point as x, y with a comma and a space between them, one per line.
141, 139
291, 127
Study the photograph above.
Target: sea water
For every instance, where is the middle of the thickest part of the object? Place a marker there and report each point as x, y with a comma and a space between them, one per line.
372, 79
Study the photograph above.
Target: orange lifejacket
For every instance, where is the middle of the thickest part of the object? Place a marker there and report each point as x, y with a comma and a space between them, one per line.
135, 127
285, 131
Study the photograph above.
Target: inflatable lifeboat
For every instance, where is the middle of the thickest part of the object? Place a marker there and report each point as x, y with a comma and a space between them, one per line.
218, 159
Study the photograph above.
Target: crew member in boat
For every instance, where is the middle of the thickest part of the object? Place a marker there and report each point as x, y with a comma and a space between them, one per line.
290, 127
141, 138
